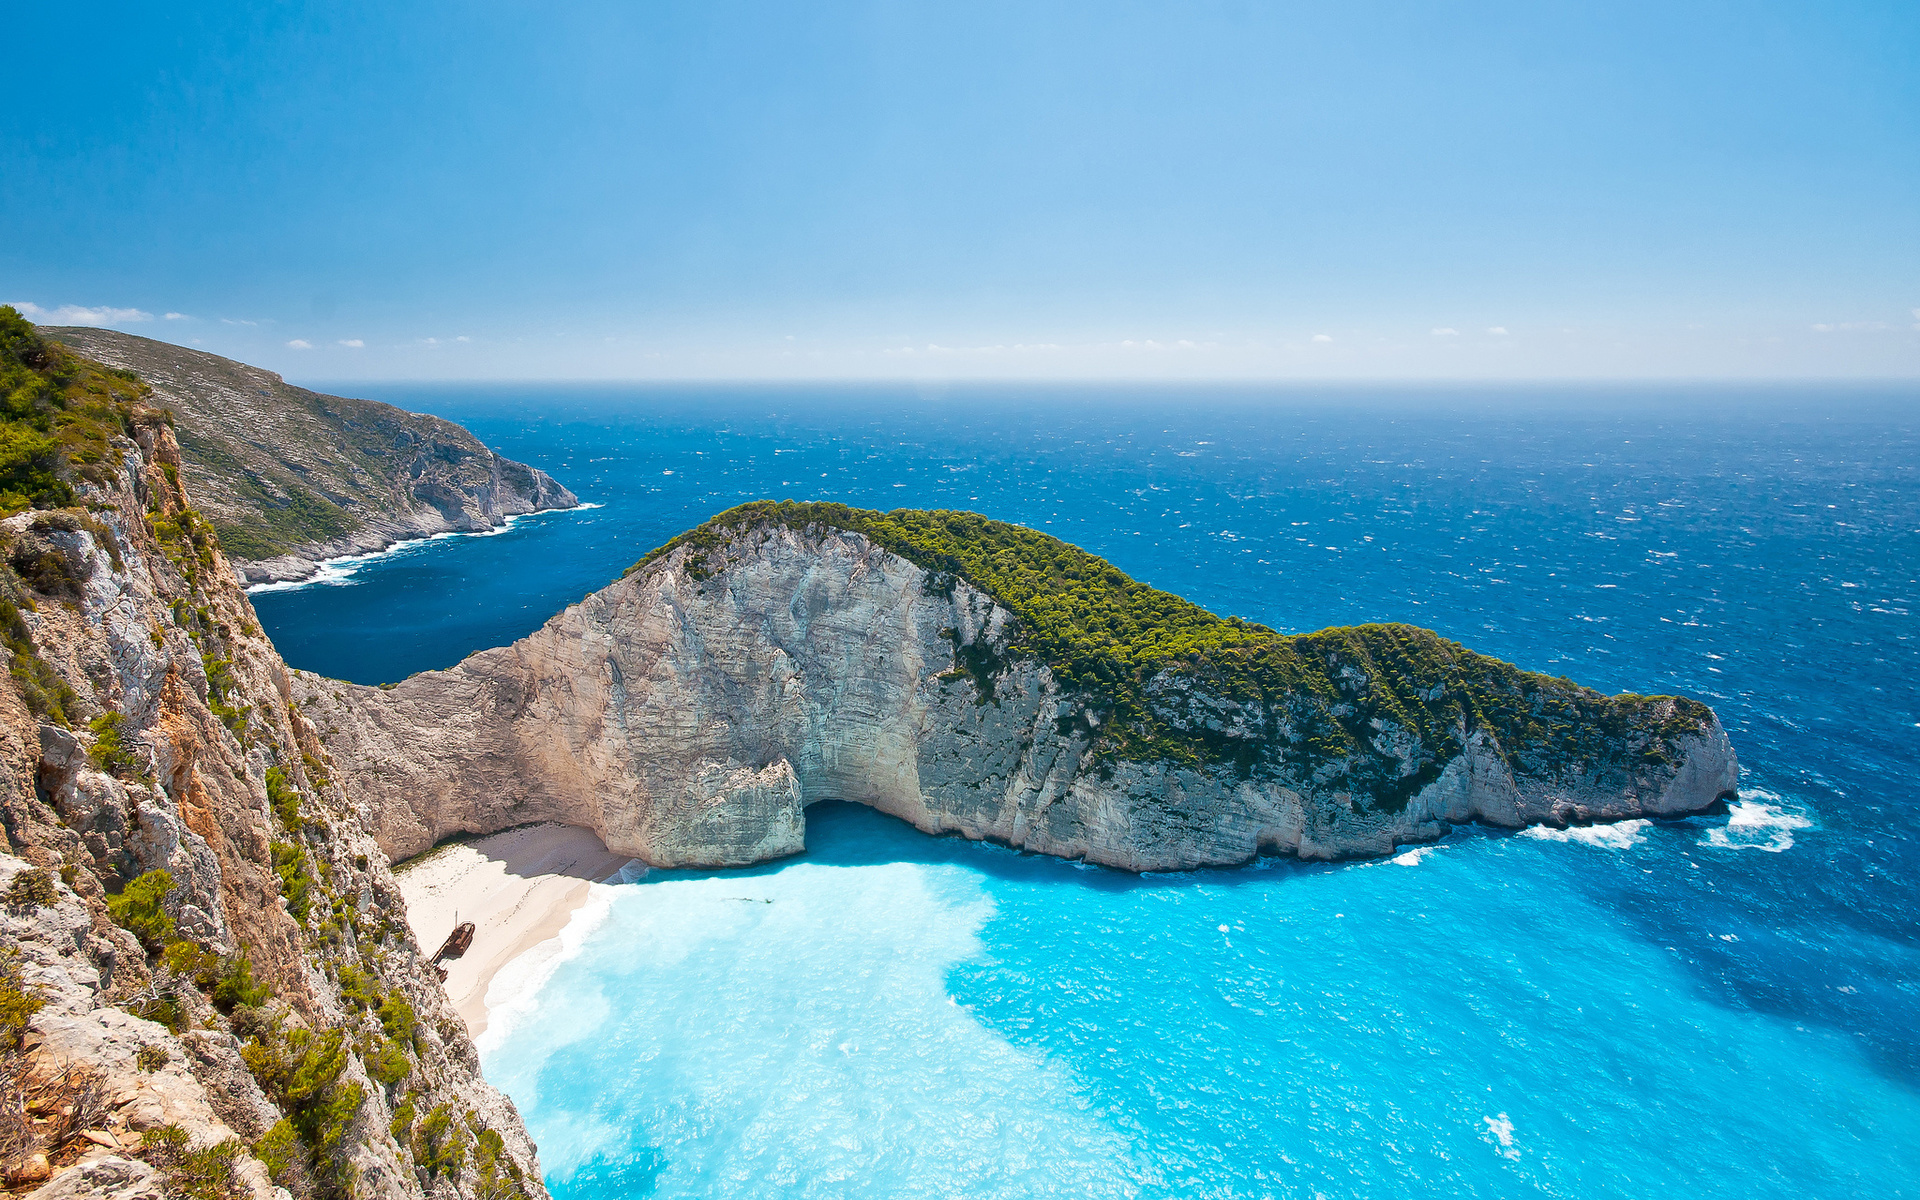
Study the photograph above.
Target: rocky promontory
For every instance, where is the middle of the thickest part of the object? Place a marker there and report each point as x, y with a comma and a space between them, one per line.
981, 679
288, 477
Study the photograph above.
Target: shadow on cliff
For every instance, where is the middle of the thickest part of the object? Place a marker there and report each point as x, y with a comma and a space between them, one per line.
844, 834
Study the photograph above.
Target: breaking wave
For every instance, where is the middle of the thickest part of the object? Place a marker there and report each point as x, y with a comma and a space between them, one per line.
1618, 836
1759, 820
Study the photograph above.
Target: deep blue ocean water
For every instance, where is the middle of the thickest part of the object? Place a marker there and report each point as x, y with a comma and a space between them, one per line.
1724, 1006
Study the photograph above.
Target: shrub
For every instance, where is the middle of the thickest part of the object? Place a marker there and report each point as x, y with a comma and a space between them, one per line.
78, 1098
500, 1177
109, 752
388, 1063
18, 1137
164, 1146
192, 961
208, 1173
401, 1127
138, 909
151, 1057
438, 1144
17, 1004
228, 980
32, 888
285, 1158
356, 989
45, 692
162, 1008
284, 799
398, 1019
296, 881
300, 1071
236, 987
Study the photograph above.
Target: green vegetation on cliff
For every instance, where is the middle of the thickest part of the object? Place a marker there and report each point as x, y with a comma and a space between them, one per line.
57, 414
1158, 668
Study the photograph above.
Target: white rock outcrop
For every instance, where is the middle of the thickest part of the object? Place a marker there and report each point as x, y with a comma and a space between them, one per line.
689, 718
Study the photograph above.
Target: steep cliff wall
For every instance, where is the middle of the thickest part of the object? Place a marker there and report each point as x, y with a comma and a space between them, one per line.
206, 976
288, 476
689, 712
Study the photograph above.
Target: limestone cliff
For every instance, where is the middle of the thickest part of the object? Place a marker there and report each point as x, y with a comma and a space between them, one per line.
783, 654
206, 976
288, 476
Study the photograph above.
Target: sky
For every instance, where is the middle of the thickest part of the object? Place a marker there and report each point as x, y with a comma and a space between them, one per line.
1204, 189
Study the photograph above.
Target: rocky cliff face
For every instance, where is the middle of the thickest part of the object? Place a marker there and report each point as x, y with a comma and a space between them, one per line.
288, 476
206, 977
689, 713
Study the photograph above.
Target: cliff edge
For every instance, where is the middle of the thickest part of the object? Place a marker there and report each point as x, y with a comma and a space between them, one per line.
288, 477
208, 987
979, 678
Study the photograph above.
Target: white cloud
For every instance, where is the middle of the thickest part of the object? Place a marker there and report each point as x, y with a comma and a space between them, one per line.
1850, 327
75, 314
236, 321
1497, 330
1446, 333
1321, 337
463, 338
299, 344
352, 343
178, 317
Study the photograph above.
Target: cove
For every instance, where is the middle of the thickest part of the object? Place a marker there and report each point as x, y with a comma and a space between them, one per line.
891, 1015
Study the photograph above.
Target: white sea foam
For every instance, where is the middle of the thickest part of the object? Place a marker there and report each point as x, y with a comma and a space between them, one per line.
337, 571
1500, 1132
514, 993
1760, 820
1617, 836
1412, 857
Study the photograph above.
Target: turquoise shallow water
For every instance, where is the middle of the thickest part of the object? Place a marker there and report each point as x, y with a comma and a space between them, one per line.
1726, 1005
891, 1017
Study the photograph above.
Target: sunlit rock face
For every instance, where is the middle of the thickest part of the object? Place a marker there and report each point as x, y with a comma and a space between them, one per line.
689, 712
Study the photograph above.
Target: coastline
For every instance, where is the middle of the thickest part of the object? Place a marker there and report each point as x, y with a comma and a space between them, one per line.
519, 887
341, 568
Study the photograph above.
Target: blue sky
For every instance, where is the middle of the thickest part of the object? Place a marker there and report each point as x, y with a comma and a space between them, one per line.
1213, 188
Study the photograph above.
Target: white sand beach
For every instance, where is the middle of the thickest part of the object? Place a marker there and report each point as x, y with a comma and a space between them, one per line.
518, 887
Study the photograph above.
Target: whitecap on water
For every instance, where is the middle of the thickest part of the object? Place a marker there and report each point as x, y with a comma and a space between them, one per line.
1500, 1133
1759, 820
1412, 857
1617, 836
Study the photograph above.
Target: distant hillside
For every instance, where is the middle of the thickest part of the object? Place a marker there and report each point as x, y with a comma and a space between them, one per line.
289, 476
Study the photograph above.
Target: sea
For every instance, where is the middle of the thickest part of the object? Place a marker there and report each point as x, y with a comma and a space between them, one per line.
1725, 1006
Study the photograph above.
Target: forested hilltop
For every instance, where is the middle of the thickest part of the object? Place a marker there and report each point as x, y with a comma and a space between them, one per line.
1316, 701
289, 476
